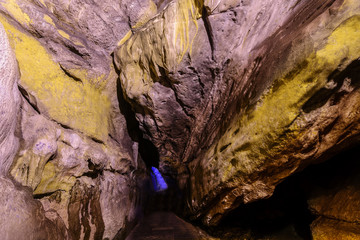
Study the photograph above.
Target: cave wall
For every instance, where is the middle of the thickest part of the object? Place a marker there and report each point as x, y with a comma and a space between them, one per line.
9, 103
235, 96
64, 141
18, 206
308, 113
333, 197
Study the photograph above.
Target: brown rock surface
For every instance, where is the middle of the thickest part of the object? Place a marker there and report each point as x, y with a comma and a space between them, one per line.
22, 217
324, 228
335, 199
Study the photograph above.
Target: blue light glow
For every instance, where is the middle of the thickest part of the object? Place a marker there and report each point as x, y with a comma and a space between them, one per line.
157, 180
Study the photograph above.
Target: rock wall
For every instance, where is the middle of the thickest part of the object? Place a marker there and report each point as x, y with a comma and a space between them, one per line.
18, 206
334, 199
9, 100
73, 152
308, 113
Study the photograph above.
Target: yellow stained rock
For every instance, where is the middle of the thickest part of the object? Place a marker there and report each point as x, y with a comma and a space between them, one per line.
64, 34
147, 15
13, 8
260, 133
125, 38
53, 180
79, 105
49, 20
28, 169
186, 11
163, 43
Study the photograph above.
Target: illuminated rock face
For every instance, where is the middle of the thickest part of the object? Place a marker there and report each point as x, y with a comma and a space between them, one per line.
71, 147
21, 215
235, 95
9, 100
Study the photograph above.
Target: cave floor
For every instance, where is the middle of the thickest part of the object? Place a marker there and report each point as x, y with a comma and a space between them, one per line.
164, 226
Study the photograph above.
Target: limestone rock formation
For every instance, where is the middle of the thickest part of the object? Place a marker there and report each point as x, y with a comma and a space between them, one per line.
9, 102
75, 153
18, 208
22, 217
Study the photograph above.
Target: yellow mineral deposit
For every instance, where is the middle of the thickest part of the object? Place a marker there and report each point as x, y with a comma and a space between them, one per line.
81, 106
145, 17
155, 46
17, 13
186, 12
282, 104
52, 180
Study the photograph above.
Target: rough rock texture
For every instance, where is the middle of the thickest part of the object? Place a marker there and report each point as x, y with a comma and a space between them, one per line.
75, 176
18, 208
244, 93
75, 152
9, 103
72, 43
189, 64
309, 112
22, 217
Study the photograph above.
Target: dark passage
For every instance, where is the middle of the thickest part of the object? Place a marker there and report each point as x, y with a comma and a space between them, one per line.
158, 220
287, 215
147, 150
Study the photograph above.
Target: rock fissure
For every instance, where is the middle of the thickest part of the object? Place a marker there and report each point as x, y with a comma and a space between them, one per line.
26, 96
209, 32
76, 79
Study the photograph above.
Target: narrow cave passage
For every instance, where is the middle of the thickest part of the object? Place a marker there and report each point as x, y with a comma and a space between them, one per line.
161, 206
288, 214
155, 198
162, 199
285, 215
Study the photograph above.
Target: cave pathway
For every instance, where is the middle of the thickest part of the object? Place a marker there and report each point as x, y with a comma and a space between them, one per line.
164, 226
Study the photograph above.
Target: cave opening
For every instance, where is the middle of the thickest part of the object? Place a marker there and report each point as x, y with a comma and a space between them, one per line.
287, 214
